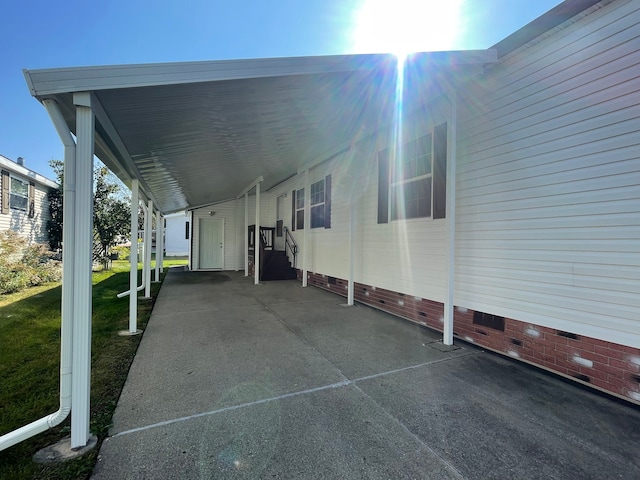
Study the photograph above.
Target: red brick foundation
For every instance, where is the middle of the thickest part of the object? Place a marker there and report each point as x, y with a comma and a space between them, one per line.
603, 365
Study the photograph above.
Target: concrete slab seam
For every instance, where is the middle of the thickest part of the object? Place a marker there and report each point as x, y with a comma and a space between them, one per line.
344, 383
416, 437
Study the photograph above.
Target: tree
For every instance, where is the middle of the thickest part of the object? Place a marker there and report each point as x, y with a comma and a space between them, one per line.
54, 224
111, 212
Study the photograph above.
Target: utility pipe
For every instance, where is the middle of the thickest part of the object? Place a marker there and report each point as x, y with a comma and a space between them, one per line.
66, 325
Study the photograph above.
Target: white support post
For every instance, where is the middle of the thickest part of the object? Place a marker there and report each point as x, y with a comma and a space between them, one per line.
156, 275
133, 263
246, 234
352, 249
236, 217
447, 336
190, 230
307, 225
83, 237
160, 243
256, 240
148, 225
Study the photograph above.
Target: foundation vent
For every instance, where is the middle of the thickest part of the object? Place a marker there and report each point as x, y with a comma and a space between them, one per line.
487, 320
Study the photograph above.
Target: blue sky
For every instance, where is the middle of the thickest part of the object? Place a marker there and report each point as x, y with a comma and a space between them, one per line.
46, 34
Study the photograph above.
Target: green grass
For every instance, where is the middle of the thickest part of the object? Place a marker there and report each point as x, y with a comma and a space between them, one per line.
30, 361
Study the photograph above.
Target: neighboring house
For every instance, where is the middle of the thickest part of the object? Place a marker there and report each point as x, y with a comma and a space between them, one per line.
24, 207
510, 190
176, 240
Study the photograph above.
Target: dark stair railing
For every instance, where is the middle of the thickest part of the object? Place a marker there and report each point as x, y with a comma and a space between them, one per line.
274, 264
290, 243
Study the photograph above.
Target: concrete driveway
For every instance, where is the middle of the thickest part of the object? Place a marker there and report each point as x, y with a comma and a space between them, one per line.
233, 380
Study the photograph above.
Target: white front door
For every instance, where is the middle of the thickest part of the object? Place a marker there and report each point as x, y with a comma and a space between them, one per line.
211, 243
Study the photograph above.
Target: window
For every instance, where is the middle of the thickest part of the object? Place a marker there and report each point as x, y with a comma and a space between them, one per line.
19, 195
320, 203
297, 222
317, 204
411, 179
413, 183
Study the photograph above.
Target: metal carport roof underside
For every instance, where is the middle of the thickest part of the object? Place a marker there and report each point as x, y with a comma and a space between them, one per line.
198, 133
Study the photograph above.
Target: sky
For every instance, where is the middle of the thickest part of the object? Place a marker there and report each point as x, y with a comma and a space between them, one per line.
68, 33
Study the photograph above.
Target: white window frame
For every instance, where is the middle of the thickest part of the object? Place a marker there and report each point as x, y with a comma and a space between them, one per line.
398, 183
12, 193
316, 202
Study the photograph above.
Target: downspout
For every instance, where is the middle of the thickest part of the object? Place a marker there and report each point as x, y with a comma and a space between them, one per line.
447, 337
66, 325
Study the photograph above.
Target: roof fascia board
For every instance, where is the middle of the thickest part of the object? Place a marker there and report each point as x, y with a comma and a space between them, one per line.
13, 167
544, 23
64, 80
258, 180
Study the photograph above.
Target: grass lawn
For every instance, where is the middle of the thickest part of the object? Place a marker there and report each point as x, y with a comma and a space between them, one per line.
30, 362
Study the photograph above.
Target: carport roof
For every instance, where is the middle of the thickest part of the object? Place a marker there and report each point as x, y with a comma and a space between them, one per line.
198, 133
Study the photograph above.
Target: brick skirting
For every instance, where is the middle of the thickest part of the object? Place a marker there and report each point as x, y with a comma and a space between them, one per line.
606, 366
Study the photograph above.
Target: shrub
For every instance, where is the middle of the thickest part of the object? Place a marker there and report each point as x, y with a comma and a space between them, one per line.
23, 265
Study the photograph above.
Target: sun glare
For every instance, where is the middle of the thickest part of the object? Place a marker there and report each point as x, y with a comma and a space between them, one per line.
405, 26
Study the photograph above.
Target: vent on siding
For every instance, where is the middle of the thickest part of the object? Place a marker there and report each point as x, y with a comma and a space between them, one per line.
488, 320
332, 280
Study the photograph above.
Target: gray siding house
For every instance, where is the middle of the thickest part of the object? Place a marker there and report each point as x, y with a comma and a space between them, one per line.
24, 207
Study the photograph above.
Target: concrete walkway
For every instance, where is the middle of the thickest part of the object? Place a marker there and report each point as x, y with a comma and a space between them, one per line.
233, 380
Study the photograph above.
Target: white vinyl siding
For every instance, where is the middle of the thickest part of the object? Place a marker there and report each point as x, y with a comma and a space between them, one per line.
548, 217
233, 214
34, 228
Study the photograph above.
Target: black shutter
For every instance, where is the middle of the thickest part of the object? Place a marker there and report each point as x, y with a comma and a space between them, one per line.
186, 230
327, 201
293, 210
32, 199
440, 171
5, 192
383, 186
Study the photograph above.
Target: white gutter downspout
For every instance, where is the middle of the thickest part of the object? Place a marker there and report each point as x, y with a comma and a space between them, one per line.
447, 336
66, 325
